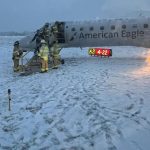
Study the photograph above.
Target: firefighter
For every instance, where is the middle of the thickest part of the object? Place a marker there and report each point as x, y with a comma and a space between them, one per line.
43, 54
17, 53
37, 37
55, 52
46, 33
54, 30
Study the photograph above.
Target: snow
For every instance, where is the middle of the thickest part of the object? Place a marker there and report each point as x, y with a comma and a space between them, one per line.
89, 103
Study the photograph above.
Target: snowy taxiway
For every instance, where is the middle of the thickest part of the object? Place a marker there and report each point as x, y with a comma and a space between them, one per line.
87, 104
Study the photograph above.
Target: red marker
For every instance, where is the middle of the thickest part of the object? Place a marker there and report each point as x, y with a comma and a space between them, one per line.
107, 52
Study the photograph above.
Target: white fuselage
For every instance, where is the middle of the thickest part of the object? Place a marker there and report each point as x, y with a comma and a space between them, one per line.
113, 32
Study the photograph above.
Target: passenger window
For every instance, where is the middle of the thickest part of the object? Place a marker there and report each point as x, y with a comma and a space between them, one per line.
66, 26
112, 27
145, 25
102, 28
81, 29
73, 29
124, 26
91, 28
134, 26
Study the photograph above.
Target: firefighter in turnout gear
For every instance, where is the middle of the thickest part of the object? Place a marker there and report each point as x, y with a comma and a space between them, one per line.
37, 37
54, 30
55, 53
43, 54
17, 53
46, 33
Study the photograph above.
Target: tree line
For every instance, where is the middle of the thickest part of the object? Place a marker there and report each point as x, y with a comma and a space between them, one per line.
12, 33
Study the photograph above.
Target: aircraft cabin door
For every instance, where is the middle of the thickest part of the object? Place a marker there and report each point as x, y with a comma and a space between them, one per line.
60, 35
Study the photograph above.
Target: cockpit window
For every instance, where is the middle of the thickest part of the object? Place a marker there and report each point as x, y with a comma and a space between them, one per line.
124, 26
73, 29
134, 26
102, 28
112, 27
145, 25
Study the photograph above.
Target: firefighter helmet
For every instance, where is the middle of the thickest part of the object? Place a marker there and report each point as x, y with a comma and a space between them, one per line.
56, 22
46, 24
43, 42
16, 43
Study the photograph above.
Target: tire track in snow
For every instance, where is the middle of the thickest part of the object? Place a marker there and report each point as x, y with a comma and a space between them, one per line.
104, 122
132, 116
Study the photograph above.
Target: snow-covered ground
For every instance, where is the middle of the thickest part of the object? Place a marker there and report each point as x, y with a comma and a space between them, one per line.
88, 103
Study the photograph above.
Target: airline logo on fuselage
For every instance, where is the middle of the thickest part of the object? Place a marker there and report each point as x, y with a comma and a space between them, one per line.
111, 35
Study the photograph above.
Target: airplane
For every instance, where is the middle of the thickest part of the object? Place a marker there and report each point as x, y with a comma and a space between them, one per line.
106, 32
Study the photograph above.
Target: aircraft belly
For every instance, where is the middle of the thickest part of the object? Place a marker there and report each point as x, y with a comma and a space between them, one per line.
108, 42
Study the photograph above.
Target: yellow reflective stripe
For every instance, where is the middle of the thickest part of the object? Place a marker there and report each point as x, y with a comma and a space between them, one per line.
44, 52
42, 69
45, 58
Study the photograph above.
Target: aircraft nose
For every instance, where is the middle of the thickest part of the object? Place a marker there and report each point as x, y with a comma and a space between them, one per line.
26, 43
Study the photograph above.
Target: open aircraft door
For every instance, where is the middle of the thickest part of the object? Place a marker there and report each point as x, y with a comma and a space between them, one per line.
60, 34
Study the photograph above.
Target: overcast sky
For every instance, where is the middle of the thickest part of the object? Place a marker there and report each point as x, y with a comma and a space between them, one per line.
28, 15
